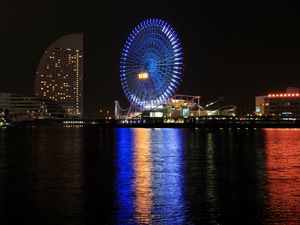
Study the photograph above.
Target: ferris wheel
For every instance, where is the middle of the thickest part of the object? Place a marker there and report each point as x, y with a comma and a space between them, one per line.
151, 64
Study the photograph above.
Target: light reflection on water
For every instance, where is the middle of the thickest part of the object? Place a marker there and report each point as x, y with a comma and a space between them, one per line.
143, 176
211, 178
282, 148
91, 175
150, 178
125, 173
208, 176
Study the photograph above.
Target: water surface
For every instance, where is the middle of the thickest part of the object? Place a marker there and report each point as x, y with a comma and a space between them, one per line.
91, 175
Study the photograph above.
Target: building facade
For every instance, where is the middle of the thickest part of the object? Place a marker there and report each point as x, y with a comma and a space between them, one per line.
29, 106
59, 76
279, 104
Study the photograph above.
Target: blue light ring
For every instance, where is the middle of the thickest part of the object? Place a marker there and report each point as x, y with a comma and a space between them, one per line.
171, 35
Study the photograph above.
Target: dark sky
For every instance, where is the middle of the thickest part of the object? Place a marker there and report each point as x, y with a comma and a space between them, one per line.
232, 50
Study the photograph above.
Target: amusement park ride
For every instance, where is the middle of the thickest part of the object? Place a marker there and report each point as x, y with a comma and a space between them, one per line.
151, 71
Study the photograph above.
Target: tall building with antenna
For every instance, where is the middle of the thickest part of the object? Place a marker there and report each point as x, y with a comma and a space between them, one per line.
59, 75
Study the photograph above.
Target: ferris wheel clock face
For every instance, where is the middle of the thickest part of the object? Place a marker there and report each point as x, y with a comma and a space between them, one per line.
151, 64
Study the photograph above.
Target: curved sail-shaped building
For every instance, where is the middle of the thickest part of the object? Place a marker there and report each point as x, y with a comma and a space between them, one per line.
59, 75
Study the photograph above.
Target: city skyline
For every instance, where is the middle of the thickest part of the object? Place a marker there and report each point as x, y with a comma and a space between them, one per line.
235, 51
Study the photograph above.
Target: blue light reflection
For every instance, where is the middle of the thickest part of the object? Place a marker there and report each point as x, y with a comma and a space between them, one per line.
150, 176
125, 174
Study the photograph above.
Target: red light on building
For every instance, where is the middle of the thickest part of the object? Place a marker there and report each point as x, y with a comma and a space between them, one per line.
283, 95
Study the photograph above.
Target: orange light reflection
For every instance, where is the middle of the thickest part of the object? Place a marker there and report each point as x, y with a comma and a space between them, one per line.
143, 176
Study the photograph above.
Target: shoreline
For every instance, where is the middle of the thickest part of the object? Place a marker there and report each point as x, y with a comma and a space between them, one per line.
211, 123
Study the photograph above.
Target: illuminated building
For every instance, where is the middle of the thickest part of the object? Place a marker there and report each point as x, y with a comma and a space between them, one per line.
59, 75
17, 105
179, 107
280, 103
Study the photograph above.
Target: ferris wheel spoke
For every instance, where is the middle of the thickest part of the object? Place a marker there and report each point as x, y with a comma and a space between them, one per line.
131, 59
135, 56
128, 68
133, 85
167, 69
167, 75
168, 63
169, 58
132, 74
132, 67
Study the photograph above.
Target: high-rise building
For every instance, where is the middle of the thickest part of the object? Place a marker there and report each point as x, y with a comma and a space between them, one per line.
59, 75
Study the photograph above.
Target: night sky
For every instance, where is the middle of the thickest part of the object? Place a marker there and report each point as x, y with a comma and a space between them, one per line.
230, 50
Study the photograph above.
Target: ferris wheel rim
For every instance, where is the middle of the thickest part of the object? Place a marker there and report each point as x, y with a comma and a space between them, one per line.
155, 45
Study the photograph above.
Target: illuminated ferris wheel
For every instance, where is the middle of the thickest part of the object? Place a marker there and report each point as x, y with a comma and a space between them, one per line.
151, 64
